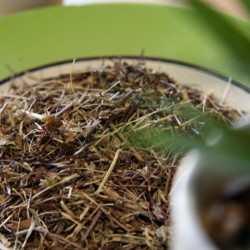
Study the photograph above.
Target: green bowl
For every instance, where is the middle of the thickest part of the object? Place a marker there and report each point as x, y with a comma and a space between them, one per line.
48, 35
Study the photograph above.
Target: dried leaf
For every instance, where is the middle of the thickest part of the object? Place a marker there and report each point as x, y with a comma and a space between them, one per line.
52, 123
5, 242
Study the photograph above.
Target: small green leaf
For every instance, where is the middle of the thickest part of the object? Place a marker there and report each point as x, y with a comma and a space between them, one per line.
230, 34
246, 3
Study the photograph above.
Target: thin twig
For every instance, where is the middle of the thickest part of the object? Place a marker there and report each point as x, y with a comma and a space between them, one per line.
93, 223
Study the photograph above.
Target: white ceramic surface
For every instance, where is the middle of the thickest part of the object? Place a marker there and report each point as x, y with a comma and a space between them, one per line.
223, 88
190, 234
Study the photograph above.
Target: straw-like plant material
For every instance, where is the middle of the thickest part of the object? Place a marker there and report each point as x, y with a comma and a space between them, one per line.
69, 177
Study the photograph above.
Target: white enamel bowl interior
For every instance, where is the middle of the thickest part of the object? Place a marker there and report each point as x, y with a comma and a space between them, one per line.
210, 83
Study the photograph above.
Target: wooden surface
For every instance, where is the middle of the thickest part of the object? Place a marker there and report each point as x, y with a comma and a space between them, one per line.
230, 6
11, 6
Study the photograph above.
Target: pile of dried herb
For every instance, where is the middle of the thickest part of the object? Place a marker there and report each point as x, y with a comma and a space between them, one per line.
69, 176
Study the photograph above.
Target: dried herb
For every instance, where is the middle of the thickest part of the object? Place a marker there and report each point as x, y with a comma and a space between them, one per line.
71, 176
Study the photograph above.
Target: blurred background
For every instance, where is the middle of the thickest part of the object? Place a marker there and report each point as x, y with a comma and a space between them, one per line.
10, 6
